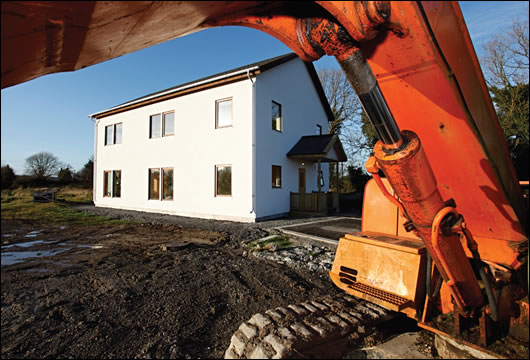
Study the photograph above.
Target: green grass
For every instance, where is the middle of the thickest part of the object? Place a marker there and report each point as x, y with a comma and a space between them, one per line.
18, 204
281, 241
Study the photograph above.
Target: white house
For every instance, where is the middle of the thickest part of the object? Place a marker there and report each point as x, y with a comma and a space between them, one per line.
217, 147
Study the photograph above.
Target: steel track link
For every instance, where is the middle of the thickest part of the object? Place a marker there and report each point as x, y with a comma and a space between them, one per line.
321, 328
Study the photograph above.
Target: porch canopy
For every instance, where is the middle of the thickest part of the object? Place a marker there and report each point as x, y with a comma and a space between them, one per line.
319, 148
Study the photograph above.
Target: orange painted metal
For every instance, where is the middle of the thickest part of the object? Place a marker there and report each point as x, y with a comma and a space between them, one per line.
411, 177
386, 270
466, 152
372, 168
448, 269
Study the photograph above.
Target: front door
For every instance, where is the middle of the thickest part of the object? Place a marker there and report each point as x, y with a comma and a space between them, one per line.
301, 180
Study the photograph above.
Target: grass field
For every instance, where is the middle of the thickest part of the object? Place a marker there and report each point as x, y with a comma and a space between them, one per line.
18, 204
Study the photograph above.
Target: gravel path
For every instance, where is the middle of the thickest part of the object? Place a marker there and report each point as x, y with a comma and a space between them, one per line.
239, 232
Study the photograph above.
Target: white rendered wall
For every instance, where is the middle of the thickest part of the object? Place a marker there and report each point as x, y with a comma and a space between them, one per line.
290, 85
193, 151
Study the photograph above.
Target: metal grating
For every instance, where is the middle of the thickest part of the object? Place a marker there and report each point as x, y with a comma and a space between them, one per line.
395, 301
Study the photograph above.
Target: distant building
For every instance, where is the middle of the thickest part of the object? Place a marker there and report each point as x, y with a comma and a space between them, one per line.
217, 147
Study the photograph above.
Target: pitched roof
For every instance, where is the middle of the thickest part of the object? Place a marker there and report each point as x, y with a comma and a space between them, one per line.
237, 74
316, 147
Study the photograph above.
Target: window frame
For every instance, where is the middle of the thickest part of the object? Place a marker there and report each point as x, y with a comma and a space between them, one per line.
151, 126
149, 184
281, 116
161, 184
114, 184
110, 180
163, 132
273, 183
115, 132
217, 102
162, 116
113, 127
106, 180
216, 172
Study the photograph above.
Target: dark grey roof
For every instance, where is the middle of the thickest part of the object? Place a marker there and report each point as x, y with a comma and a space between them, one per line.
260, 65
317, 146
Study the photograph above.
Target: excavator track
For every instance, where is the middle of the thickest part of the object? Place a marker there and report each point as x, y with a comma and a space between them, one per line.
321, 328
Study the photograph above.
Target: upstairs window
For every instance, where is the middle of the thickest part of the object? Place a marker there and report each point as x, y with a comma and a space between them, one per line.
276, 116
155, 126
112, 183
113, 134
276, 176
169, 123
162, 124
223, 180
223, 113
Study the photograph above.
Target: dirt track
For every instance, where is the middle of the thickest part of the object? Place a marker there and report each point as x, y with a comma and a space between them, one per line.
115, 292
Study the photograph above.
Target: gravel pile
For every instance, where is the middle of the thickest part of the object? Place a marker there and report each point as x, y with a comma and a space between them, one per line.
312, 257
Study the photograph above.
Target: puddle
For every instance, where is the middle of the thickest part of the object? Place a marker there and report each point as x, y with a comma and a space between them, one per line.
25, 244
15, 257
34, 233
39, 270
10, 257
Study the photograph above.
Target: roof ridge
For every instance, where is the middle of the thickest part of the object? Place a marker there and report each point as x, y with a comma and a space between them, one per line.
267, 63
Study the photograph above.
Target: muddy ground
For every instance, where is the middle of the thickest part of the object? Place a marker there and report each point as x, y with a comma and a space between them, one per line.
114, 291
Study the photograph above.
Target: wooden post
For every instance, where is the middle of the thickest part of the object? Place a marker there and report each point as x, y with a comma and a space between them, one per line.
337, 177
318, 180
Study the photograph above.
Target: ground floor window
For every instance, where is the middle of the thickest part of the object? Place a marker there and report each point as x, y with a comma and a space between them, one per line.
223, 180
276, 176
112, 183
161, 183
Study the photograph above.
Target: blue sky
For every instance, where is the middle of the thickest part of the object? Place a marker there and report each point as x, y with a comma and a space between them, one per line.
51, 113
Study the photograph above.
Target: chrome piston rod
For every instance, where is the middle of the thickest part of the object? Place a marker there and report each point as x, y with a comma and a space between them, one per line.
363, 81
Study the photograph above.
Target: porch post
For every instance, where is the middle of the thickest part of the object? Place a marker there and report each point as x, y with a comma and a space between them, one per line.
318, 181
337, 177
318, 175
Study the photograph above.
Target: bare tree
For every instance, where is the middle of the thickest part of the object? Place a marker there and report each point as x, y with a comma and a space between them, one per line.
341, 97
505, 65
347, 111
42, 165
506, 57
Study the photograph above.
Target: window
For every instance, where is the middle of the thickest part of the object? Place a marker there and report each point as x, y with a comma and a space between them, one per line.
161, 184
167, 184
276, 116
112, 183
155, 126
223, 180
109, 135
223, 113
117, 133
162, 124
276, 176
169, 123
113, 134
116, 183
154, 184
107, 183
